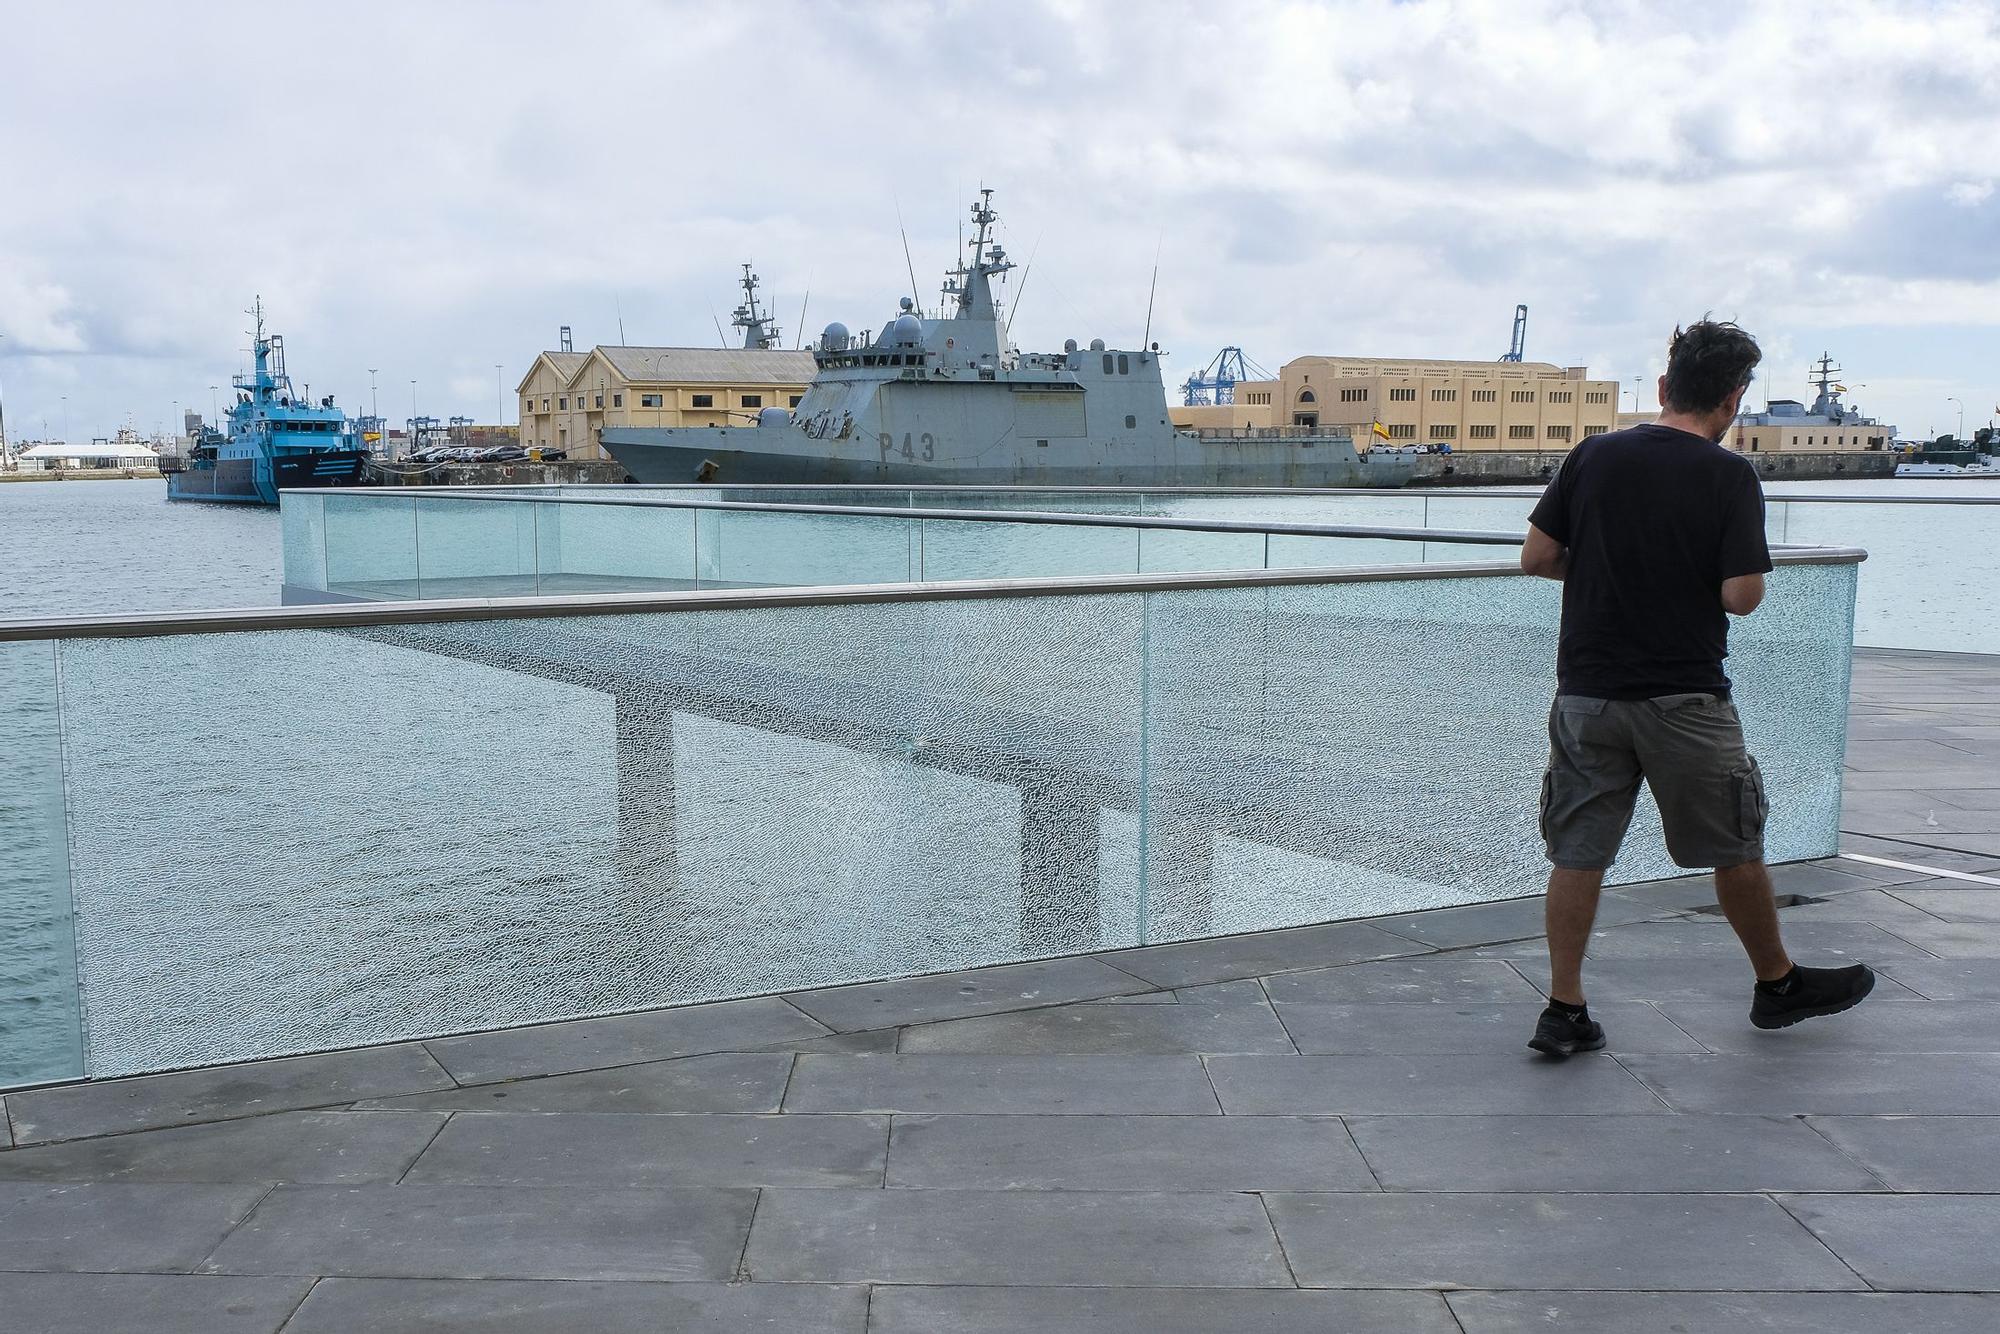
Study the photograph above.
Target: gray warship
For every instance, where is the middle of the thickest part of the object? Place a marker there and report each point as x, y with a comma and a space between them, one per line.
947, 400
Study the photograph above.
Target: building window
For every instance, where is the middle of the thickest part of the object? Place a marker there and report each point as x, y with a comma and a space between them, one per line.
1559, 395
796, 398
649, 400
1444, 431
600, 398
1558, 432
1402, 395
1124, 365
1521, 396
1107, 363
753, 400
1354, 395
1597, 396
1131, 422
1403, 431
563, 403
1598, 429
1482, 432
545, 403
1444, 396
618, 400
703, 400
1520, 433
1483, 395
1307, 396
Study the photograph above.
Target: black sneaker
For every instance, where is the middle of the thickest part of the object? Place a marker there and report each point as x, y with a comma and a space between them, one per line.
1806, 993
1562, 1032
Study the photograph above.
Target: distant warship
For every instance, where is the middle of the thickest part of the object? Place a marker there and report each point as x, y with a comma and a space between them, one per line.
948, 400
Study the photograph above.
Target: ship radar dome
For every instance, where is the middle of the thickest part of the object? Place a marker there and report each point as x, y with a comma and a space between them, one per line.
907, 331
835, 335
774, 417
1069, 345
906, 305
1097, 345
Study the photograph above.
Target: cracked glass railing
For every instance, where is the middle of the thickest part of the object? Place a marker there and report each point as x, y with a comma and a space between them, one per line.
250, 834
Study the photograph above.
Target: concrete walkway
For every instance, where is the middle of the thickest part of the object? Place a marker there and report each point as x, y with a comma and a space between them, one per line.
1329, 1128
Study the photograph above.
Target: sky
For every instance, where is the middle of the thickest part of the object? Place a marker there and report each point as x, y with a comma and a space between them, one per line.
430, 189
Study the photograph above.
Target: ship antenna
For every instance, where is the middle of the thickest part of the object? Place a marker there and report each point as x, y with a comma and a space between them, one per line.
1015, 306
720, 338
619, 306
915, 297
1146, 339
799, 340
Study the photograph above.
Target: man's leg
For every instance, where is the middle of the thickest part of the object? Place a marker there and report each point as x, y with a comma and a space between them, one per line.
1572, 909
1745, 895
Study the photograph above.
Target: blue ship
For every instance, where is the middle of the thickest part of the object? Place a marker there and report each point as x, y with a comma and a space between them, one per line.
274, 440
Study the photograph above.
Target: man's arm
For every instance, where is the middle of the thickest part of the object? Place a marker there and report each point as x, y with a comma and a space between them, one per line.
1742, 594
1544, 557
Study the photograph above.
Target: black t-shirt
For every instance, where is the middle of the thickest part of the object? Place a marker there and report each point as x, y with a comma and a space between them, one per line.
1655, 519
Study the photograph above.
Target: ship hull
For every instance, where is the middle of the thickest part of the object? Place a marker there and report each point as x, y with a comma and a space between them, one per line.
739, 456
258, 481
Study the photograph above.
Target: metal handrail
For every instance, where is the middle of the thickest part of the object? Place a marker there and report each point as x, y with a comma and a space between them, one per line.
345, 615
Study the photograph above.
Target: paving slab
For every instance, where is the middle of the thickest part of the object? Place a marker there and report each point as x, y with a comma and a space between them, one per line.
927, 1310
1033, 1238
489, 1232
6, 1128
1826, 944
146, 1303
1451, 979
526, 1306
1886, 908
1360, 1085
1937, 1026
1959, 902
1945, 979
1953, 940
1100, 1085
1190, 1026
117, 1226
1125, 1153
1958, 1154
1918, 1243
1709, 977
877, 1040
1225, 958
1509, 919
626, 1039
1419, 1028
1828, 1082
620, 1149
1636, 1242
74, 1111
724, 1082
1723, 1312
323, 1147
921, 1000
1690, 1153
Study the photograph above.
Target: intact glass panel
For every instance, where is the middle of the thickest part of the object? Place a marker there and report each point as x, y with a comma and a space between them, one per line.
1296, 551
475, 548
751, 548
371, 545
41, 1035
1927, 582
967, 549
302, 515
1171, 550
493, 823
585, 548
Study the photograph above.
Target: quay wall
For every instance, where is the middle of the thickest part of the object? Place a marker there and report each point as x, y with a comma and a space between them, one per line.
1505, 467
581, 472
80, 475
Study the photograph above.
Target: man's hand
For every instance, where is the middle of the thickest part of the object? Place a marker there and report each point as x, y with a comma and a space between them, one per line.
1742, 594
1543, 556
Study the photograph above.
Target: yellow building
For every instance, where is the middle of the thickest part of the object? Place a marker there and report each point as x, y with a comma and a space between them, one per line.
1469, 405
568, 398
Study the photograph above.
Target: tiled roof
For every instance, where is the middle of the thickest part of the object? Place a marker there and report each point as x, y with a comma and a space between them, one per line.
710, 365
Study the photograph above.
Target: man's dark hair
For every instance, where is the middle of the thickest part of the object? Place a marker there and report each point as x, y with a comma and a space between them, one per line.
1706, 363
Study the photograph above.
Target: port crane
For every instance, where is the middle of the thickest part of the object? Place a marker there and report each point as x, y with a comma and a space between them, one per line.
1216, 383
1520, 343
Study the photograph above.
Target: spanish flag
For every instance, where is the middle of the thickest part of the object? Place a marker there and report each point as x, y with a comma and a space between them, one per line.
1381, 430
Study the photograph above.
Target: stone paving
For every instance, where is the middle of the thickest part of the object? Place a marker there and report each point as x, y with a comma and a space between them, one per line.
1329, 1128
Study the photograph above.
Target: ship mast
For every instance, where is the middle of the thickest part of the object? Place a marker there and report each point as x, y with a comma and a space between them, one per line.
972, 283
1824, 373
758, 331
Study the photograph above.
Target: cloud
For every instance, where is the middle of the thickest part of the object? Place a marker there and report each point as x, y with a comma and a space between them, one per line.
431, 189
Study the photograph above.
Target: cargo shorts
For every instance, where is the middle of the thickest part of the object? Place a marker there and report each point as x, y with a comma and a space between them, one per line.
1687, 748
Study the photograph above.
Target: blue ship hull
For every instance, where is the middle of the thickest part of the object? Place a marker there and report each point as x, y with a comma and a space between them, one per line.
257, 481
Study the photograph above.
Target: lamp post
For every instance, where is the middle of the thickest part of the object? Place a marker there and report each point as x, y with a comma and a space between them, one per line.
499, 413
65, 407
374, 403
214, 412
1960, 437
6, 464
1637, 380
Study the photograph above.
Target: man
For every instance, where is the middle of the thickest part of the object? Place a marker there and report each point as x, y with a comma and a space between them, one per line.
1657, 535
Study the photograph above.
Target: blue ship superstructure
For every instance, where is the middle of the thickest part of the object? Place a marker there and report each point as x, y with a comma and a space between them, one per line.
273, 440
